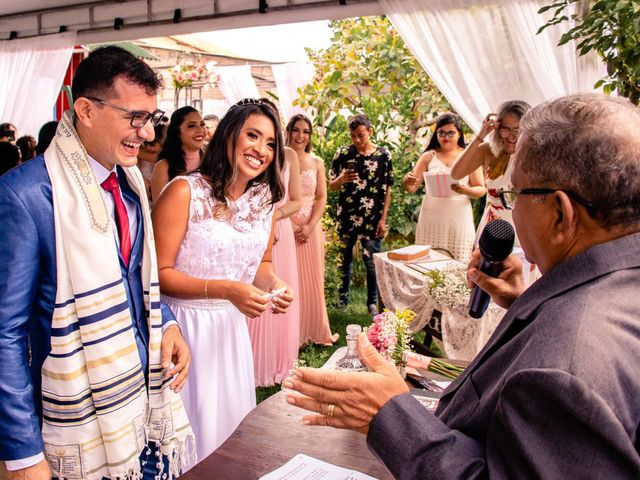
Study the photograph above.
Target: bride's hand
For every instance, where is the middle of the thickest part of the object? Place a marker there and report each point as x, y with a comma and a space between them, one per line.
250, 300
282, 296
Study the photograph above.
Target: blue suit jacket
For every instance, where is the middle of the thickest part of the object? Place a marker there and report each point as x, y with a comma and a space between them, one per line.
27, 297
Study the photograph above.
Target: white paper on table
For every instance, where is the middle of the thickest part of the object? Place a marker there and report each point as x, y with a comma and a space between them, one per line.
304, 467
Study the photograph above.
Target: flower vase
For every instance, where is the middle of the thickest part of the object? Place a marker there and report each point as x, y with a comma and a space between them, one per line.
176, 97
402, 365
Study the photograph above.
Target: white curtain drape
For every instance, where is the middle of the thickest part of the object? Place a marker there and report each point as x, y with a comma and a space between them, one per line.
289, 78
480, 53
31, 81
236, 83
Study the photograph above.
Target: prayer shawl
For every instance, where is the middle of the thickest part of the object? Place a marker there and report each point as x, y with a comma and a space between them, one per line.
97, 412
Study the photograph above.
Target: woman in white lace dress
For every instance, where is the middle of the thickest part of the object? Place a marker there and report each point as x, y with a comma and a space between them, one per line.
213, 233
446, 222
494, 157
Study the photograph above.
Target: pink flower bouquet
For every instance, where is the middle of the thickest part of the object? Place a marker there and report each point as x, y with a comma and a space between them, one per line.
390, 334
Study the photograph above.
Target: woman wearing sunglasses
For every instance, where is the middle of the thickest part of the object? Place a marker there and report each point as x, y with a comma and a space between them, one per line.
494, 156
446, 222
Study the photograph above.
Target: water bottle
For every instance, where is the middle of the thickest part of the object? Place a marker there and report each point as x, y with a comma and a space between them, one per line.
351, 361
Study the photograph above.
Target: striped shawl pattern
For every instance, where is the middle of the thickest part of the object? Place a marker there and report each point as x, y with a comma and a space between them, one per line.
98, 414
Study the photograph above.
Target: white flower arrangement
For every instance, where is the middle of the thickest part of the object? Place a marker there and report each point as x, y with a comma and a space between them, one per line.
448, 287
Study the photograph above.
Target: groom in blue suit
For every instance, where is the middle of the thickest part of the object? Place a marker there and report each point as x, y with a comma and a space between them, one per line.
114, 112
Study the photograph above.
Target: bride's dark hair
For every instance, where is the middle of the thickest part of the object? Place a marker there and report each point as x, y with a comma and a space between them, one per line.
223, 170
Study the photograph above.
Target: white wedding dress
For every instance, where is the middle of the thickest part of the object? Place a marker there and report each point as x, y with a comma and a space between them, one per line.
220, 389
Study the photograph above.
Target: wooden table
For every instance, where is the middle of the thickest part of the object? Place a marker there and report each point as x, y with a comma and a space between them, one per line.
272, 434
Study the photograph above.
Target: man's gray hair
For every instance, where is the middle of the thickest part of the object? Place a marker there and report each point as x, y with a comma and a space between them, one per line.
588, 144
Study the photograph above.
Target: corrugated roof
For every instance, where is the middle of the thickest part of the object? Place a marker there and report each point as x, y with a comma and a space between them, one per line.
130, 47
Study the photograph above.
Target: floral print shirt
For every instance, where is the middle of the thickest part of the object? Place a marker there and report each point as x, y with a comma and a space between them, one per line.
360, 203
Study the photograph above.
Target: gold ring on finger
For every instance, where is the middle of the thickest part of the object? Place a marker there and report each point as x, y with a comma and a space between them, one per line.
330, 410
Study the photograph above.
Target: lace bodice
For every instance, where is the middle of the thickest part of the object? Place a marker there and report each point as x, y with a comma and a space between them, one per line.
229, 248
308, 179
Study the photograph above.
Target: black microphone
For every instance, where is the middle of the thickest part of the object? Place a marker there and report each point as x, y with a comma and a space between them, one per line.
496, 244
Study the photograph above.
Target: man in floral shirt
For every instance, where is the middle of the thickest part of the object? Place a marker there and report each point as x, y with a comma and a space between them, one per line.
363, 173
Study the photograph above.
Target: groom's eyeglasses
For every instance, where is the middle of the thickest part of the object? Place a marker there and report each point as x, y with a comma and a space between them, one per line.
139, 118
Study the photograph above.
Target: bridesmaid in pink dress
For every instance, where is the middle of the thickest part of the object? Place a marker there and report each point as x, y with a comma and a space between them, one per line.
314, 322
274, 338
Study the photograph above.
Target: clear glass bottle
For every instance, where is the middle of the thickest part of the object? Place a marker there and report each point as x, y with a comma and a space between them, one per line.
351, 361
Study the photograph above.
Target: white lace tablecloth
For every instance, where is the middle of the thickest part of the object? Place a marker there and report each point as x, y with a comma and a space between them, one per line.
399, 287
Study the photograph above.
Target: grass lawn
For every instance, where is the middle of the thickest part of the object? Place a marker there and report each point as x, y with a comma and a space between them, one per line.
339, 318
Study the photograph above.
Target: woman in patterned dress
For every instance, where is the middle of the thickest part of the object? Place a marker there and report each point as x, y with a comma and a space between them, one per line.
494, 157
214, 233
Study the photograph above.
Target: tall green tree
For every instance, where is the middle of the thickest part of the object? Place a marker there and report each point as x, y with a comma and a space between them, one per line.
612, 29
368, 69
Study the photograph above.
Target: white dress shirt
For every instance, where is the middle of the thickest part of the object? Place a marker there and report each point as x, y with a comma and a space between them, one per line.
101, 175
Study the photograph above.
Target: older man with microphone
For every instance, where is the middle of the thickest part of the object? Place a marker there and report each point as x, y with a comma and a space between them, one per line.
554, 393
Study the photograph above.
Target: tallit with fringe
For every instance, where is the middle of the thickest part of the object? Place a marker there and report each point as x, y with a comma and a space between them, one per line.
98, 413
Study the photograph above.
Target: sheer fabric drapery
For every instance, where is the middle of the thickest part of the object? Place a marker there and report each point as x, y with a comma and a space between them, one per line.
31, 81
480, 53
236, 83
289, 78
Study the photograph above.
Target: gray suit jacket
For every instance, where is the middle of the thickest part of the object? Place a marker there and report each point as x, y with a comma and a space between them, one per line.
555, 393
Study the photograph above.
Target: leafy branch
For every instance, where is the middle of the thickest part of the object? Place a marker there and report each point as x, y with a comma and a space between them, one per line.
611, 28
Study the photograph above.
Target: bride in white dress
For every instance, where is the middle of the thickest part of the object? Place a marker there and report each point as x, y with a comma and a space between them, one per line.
213, 232
446, 222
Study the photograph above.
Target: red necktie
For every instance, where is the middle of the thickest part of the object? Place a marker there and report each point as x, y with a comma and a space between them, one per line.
112, 186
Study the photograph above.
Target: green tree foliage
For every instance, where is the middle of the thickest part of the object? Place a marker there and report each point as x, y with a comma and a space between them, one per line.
612, 29
368, 69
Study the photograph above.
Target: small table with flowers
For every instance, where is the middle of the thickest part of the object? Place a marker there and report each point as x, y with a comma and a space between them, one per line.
403, 285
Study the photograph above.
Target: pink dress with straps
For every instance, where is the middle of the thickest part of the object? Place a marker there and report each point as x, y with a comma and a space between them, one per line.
314, 321
274, 338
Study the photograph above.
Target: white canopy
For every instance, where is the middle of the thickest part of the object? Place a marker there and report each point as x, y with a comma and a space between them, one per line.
33, 21
479, 52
